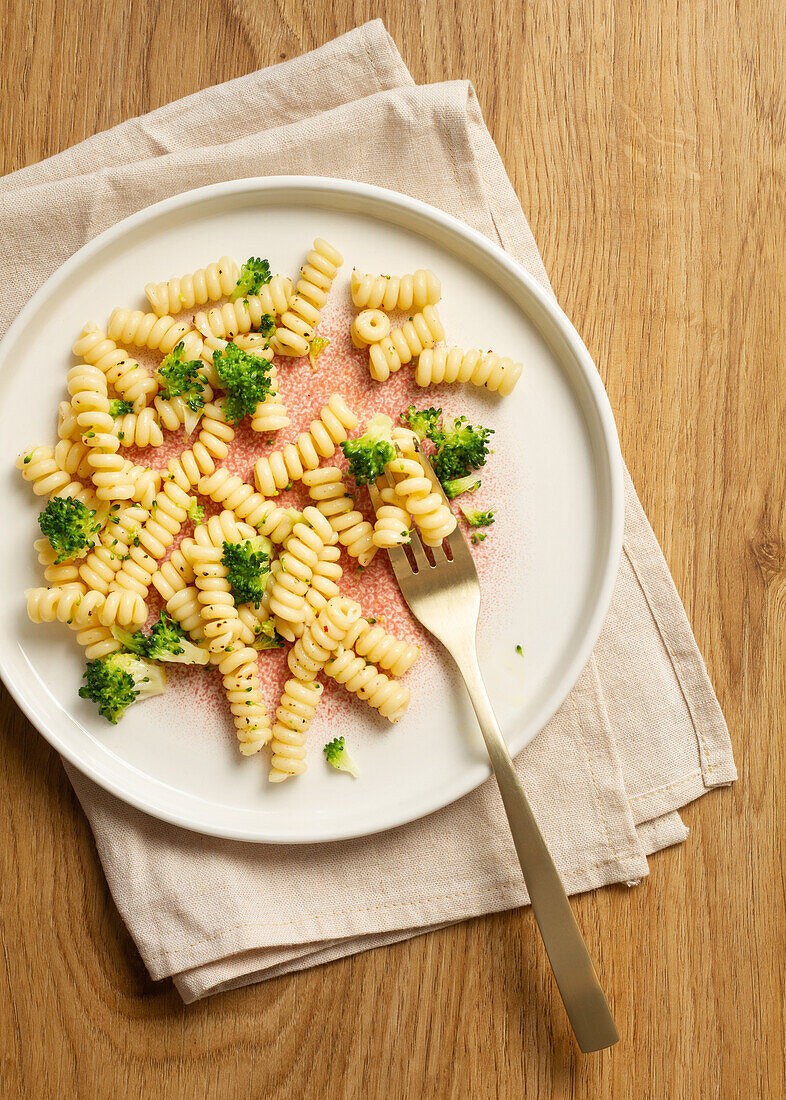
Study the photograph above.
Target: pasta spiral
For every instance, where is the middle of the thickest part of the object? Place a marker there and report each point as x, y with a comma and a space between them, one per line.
324, 579
73, 604
233, 493
69, 603
369, 327
124, 607
421, 331
67, 427
167, 515
293, 717
123, 528
97, 641
289, 584
270, 415
389, 697
220, 618
238, 668
371, 641
71, 456
38, 466
390, 292
148, 330
206, 284
327, 489
140, 429
495, 372
274, 472
213, 443
322, 637
185, 608
233, 318
302, 317
174, 575
55, 573
88, 390
218, 611
130, 380
416, 494
391, 527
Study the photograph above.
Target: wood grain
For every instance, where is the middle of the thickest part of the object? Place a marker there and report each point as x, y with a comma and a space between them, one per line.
646, 142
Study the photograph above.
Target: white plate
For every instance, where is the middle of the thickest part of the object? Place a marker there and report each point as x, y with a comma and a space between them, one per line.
547, 568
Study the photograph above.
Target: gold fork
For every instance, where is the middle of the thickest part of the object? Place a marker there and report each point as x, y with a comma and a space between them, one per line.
445, 598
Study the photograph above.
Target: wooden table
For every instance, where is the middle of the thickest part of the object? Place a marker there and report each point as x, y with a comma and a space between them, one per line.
646, 142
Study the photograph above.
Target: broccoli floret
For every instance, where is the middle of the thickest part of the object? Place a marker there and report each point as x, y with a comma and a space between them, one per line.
167, 641
461, 448
476, 518
336, 753
134, 641
120, 408
266, 636
267, 325
459, 485
253, 275
113, 683
195, 511
245, 378
315, 348
369, 454
424, 423
69, 525
477, 537
179, 378
248, 568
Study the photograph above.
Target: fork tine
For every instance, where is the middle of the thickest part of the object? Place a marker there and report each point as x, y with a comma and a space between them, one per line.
398, 559
459, 547
416, 546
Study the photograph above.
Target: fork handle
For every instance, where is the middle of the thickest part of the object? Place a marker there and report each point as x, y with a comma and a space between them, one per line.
585, 1003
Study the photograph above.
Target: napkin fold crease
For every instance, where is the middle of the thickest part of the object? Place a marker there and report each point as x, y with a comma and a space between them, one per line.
640, 735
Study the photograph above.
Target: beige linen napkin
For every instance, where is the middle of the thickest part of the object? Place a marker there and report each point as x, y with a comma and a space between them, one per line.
641, 733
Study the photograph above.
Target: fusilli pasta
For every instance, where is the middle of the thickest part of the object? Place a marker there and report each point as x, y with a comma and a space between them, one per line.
369, 327
275, 471
421, 331
494, 372
416, 494
327, 489
300, 320
148, 330
109, 471
122, 529
390, 292
270, 415
293, 717
389, 697
324, 579
238, 668
233, 493
371, 641
141, 429
68, 603
39, 467
391, 527
289, 584
206, 284
233, 318
55, 573
130, 380
213, 443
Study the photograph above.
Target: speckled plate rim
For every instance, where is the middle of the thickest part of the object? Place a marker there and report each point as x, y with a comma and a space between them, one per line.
144, 792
